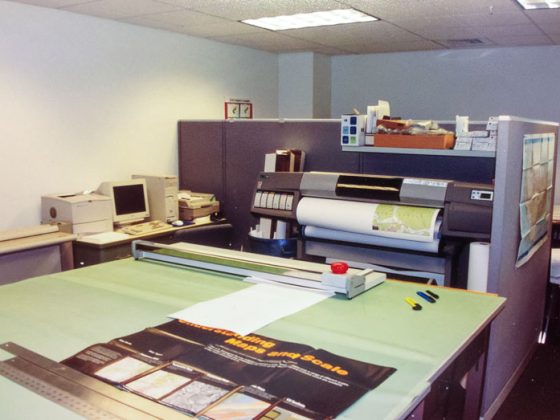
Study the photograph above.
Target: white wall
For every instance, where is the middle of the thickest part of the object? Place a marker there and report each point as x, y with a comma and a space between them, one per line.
304, 85
85, 100
321, 86
295, 85
441, 84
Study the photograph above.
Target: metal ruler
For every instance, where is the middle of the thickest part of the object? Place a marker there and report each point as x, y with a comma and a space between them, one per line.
76, 391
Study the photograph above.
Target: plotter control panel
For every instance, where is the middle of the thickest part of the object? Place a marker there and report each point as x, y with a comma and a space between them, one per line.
277, 194
274, 200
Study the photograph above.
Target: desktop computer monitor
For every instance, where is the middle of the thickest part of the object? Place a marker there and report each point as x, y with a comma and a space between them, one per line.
130, 200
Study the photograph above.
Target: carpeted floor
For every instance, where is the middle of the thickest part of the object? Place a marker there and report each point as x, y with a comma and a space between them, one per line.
537, 393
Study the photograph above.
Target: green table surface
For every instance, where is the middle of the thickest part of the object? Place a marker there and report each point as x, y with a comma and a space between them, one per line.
60, 314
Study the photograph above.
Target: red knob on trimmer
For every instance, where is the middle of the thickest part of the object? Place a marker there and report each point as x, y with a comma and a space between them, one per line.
339, 267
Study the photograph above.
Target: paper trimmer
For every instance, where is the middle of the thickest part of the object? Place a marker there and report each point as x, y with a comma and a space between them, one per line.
276, 269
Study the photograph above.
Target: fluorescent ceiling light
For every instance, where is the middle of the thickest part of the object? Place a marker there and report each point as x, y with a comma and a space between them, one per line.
309, 20
539, 4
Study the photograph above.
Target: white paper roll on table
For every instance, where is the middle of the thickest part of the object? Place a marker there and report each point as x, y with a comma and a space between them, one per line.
479, 255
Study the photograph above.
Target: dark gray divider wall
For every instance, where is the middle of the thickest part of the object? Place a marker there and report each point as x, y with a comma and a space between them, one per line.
515, 331
201, 157
246, 143
225, 157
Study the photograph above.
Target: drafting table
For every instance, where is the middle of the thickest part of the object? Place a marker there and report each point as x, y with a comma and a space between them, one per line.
60, 314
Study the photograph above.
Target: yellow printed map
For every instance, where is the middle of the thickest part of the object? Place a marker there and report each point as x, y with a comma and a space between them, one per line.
405, 219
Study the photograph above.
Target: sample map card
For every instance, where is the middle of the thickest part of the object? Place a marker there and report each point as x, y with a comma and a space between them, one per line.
196, 396
123, 369
236, 406
157, 384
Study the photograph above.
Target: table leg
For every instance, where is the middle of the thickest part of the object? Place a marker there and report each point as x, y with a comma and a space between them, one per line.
66, 256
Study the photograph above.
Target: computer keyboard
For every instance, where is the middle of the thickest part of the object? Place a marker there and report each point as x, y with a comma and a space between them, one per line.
145, 228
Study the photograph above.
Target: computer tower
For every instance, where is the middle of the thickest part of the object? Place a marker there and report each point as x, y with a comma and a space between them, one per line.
162, 196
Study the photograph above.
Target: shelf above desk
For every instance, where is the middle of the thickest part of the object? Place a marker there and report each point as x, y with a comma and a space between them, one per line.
430, 152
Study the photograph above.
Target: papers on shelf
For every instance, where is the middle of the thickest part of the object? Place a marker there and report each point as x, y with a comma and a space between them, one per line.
252, 308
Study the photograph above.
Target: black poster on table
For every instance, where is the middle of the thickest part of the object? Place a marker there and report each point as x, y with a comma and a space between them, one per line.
209, 372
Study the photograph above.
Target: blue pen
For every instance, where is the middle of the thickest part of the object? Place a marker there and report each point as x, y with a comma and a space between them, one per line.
426, 297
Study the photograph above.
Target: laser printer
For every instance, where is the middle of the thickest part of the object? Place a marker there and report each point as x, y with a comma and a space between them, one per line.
87, 213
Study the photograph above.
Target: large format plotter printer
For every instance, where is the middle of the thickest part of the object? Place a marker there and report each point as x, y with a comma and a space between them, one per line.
336, 216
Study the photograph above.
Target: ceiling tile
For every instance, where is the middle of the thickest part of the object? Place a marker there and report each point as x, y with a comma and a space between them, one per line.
508, 30
357, 40
153, 24
466, 43
179, 18
438, 28
395, 9
406, 25
114, 9
544, 16
249, 9
516, 41
53, 3
550, 28
360, 32
487, 19
221, 29
399, 47
413, 22
268, 41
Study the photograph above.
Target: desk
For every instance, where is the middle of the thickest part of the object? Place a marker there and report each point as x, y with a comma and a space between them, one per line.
35, 255
61, 314
212, 233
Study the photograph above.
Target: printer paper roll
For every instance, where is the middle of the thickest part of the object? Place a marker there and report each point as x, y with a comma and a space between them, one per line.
479, 253
392, 221
338, 235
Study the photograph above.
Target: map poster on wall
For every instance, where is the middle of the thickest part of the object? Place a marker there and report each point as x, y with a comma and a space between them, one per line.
212, 373
536, 193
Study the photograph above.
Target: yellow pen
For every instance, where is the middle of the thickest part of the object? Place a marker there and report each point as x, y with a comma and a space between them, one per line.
415, 305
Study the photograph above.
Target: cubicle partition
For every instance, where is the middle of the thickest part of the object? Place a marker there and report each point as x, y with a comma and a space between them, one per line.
225, 157
516, 330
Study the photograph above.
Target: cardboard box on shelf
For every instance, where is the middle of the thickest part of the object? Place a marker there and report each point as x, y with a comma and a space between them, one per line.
445, 141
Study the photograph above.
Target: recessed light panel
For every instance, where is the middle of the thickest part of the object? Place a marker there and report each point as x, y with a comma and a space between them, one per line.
310, 20
539, 4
